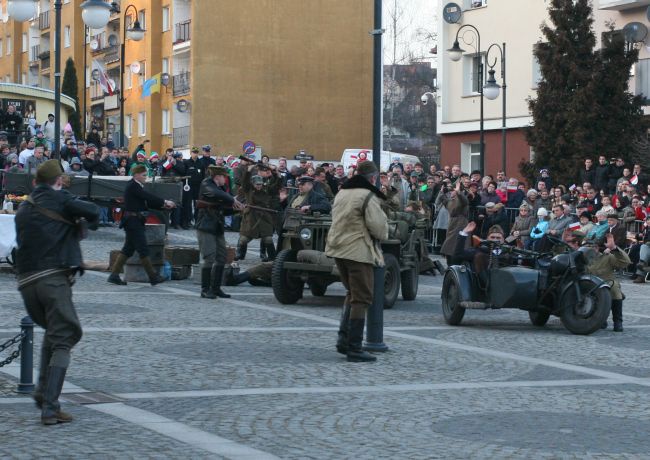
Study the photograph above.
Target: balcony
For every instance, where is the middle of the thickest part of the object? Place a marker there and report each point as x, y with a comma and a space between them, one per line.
45, 59
183, 30
44, 20
181, 136
619, 5
181, 84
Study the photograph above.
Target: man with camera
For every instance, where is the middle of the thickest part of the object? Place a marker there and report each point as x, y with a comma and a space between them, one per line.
47, 259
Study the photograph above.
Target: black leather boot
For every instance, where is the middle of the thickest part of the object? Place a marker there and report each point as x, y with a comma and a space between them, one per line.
270, 252
263, 249
240, 252
154, 276
216, 276
235, 280
617, 315
205, 280
356, 353
114, 277
344, 330
52, 413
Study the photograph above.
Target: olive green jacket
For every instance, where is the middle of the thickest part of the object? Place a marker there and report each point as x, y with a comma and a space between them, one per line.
604, 265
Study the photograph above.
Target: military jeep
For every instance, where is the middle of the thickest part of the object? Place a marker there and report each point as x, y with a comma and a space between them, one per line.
302, 258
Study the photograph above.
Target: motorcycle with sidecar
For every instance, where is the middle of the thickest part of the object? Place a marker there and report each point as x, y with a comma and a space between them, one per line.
542, 283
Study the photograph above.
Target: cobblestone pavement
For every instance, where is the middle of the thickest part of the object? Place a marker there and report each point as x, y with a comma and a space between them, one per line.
251, 378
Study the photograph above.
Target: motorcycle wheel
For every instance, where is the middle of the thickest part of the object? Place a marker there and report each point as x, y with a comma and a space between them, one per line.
539, 318
585, 317
452, 312
391, 281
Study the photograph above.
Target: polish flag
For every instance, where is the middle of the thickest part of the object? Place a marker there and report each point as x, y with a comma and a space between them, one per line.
574, 226
512, 188
634, 180
167, 165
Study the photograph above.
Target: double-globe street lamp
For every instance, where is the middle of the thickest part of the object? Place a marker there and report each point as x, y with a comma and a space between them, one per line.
489, 90
95, 14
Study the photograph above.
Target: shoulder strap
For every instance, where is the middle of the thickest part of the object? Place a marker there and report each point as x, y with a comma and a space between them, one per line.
48, 212
365, 203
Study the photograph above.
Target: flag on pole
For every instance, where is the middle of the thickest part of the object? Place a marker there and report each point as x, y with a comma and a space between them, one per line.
151, 86
104, 82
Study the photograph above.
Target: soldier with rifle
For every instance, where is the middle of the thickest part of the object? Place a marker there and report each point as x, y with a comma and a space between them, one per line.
212, 204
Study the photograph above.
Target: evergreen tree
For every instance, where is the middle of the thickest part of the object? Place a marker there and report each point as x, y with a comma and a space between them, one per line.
70, 87
583, 107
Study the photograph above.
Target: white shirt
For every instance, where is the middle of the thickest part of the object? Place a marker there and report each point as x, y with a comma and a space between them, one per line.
22, 158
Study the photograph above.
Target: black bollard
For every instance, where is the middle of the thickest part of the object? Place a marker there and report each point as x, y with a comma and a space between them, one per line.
375, 318
26, 384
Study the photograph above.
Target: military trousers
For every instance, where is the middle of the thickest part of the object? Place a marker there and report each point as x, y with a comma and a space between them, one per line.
212, 248
136, 239
358, 279
49, 303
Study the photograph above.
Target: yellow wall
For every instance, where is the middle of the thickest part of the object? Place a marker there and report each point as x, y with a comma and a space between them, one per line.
287, 74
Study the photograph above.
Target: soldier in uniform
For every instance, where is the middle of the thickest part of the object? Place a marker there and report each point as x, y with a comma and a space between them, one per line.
137, 201
257, 275
259, 191
358, 223
213, 200
47, 260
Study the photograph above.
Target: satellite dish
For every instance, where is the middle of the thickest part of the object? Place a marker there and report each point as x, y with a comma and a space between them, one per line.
112, 40
95, 75
451, 13
135, 67
94, 45
635, 32
164, 79
183, 105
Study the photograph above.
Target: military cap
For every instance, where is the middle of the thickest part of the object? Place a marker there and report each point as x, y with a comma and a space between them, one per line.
206, 148
214, 170
305, 179
137, 169
612, 215
496, 229
257, 180
51, 169
195, 150
366, 167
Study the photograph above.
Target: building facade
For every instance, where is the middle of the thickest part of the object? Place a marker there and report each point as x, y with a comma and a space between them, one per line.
519, 28
289, 76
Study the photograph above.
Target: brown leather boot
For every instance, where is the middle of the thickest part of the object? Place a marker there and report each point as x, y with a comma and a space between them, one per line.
114, 277
154, 276
51, 413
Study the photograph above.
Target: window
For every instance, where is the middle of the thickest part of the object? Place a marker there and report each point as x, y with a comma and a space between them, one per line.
165, 19
165, 122
537, 73
143, 73
470, 156
473, 65
25, 43
128, 126
142, 18
165, 65
142, 123
66, 37
88, 77
642, 79
469, 4
8, 45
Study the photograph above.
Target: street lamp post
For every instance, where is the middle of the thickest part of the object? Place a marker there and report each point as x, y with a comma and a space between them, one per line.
455, 54
135, 33
95, 14
491, 91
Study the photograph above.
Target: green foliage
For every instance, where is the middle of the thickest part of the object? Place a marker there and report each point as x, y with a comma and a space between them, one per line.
70, 87
583, 107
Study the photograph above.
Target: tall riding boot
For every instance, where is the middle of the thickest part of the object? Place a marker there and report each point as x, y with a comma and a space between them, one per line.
344, 330
356, 354
215, 283
114, 277
617, 315
46, 355
263, 250
52, 413
205, 280
235, 280
154, 276
270, 251
240, 252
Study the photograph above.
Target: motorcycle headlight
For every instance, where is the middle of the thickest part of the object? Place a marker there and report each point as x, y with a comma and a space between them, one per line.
305, 234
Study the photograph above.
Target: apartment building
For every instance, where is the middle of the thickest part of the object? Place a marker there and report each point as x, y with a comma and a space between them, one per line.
291, 75
517, 24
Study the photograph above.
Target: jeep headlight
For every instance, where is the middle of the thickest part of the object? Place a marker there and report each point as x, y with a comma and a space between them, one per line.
305, 234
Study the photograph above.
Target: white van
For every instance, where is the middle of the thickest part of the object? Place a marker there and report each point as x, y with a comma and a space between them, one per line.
351, 156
